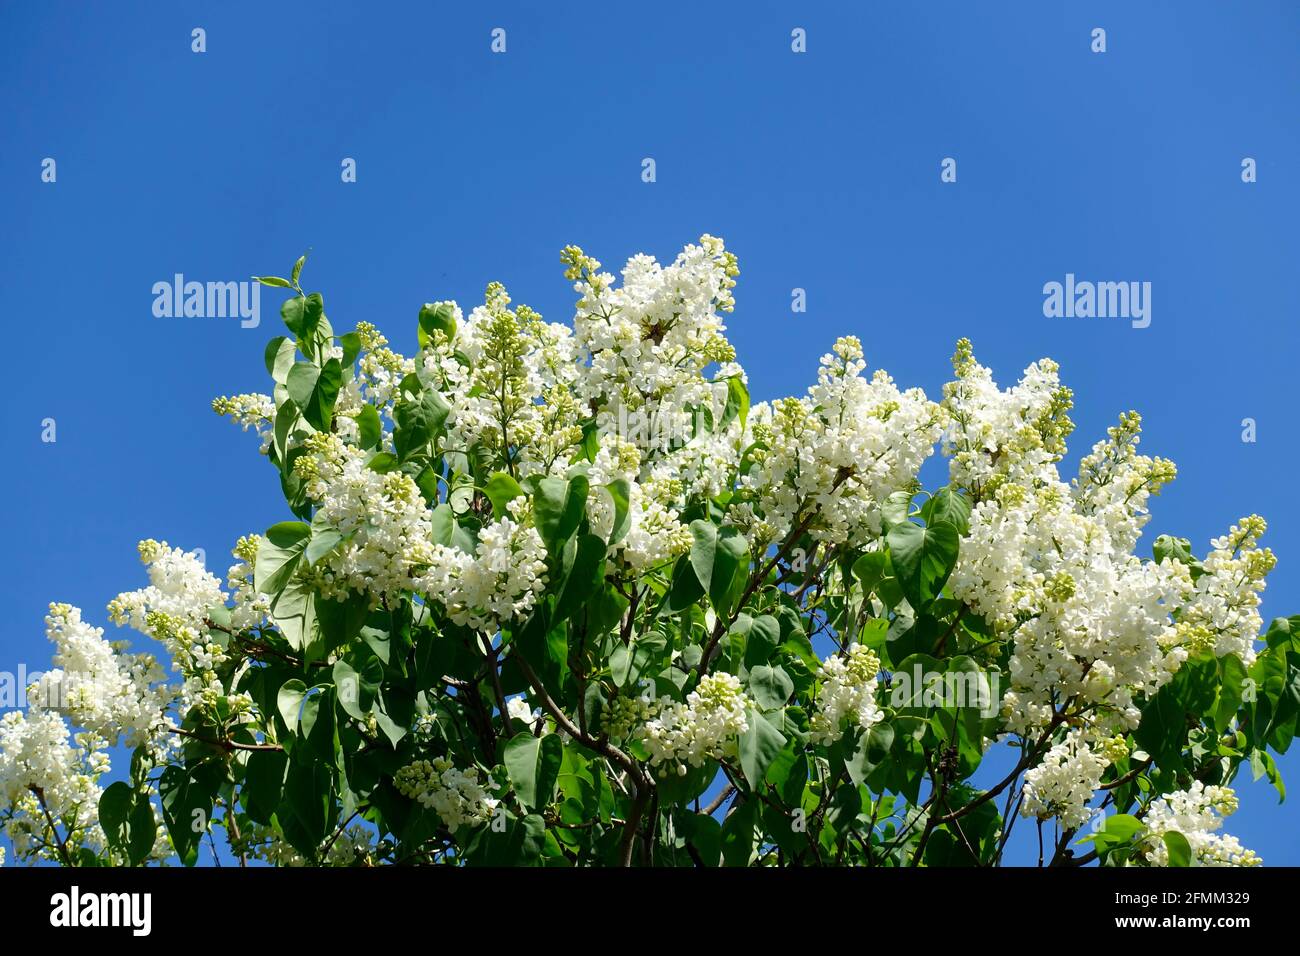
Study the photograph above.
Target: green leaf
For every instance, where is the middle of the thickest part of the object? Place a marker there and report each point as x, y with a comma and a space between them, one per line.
1123, 826
294, 612
143, 830
704, 835
356, 692
558, 508
279, 554
584, 572
684, 589
895, 510
620, 490
705, 535
383, 462
314, 390
288, 701
759, 746
521, 843
302, 315
729, 558
770, 687
1167, 546
436, 317
738, 834
870, 569
281, 352
628, 665
115, 805
869, 752
393, 716
274, 282
737, 406
263, 784
534, 767
370, 428
307, 810
948, 505
762, 640
1230, 691
1283, 631
502, 489
1180, 851
1261, 764
922, 559
419, 417
324, 540
1162, 731
341, 620
187, 807
318, 723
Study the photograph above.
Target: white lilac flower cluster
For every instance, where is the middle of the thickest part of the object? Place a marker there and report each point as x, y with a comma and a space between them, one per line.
98, 686
511, 373
847, 695
498, 582
655, 534
1063, 783
656, 365
250, 607
1197, 813
1220, 611
354, 845
380, 369
252, 410
174, 610
839, 453
704, 727
388, 549
650, 340
46, 772
386, 526
1050, 564
455, 795
648, 363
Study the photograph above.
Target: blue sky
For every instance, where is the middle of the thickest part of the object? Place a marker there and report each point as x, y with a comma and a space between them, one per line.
821, 170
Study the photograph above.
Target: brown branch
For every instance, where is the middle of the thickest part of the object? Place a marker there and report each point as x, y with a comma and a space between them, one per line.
233, 836
722, 798
493, 657
1128, 777
601, 746
62, 841
627, 842
642, 782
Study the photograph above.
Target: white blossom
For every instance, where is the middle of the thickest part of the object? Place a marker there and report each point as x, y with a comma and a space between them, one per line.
1063, 783
847, 694
704, 727
1197, 813
455, 795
